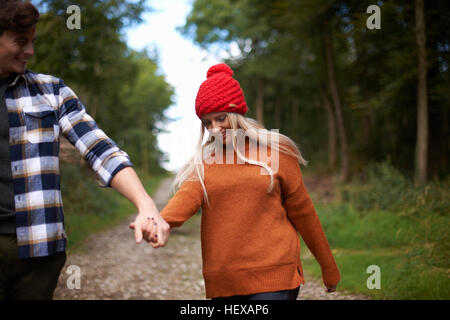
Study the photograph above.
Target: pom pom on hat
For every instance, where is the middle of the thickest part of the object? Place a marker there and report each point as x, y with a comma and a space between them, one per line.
221, 67
220, 92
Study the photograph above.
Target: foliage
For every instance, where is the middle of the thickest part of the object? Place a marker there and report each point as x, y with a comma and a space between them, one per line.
281, 41
121, 89
385, 188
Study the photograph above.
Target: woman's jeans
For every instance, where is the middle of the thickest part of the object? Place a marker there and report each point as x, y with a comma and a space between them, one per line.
277, 295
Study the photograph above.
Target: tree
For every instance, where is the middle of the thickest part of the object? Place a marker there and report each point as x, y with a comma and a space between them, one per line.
299, 58
332, 84
120, 88
422, 97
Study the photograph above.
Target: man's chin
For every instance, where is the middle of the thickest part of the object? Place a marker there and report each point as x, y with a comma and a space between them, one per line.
19, 68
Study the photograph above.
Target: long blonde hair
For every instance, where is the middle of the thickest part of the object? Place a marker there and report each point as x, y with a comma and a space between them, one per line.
194, 169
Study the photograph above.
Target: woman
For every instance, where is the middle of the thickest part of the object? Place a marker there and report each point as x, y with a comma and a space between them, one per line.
250, 219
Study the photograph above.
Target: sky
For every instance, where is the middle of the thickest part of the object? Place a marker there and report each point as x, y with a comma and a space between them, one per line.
184, 65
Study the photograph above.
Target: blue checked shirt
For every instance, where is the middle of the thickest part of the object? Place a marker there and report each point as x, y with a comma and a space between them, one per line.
40, 109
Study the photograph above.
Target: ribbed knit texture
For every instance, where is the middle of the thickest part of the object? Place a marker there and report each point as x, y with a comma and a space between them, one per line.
220, 92
249, 238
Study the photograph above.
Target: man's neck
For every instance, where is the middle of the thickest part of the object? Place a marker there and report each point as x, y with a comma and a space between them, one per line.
4, 75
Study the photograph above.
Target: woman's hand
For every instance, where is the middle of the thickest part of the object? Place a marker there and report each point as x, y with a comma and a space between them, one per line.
152, 228
149, 225
331, 288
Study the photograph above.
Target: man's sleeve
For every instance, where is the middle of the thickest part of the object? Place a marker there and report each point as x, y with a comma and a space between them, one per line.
102, 154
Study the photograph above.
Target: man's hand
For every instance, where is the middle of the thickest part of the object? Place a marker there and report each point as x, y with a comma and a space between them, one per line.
149, 225
152, 228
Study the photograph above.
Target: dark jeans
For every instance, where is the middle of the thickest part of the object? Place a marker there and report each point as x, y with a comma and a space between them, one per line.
276, 295
27, 279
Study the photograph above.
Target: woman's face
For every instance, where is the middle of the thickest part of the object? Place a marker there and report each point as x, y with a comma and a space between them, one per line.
217, 122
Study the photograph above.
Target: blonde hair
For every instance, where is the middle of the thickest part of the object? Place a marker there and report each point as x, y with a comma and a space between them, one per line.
194, 169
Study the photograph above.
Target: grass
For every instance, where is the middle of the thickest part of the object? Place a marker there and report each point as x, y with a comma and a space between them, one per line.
89, 209
410, 245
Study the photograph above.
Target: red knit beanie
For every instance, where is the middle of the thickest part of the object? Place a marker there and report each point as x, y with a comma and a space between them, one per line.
220, 92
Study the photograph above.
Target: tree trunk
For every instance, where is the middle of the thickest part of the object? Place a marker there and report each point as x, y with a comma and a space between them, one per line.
366, 114
345, 173
277, 121
260, 102
295, 118
445, 142
332, 138
422, 104
144, 145
365, 121
95, 97
93, 105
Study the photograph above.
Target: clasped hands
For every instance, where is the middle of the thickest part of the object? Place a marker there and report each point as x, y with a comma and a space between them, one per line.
151, 228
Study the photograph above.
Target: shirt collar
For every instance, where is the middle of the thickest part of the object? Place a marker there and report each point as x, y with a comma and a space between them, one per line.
19, 77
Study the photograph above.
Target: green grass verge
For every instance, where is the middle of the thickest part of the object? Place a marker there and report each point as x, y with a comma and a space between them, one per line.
412, 251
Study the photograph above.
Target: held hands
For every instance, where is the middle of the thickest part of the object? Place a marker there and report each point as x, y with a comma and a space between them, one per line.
152, 228
149, 225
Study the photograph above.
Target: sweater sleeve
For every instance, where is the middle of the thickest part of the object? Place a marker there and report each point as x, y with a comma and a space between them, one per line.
184, 204
303, 215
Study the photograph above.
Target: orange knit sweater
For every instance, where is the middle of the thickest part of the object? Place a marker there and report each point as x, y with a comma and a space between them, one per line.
249, 237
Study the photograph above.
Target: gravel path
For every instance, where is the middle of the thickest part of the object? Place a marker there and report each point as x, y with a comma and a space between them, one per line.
113, 267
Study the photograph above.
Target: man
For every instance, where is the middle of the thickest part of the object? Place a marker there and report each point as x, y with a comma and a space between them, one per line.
35, 109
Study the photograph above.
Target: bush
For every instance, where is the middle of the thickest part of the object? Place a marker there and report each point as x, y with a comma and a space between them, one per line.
81, 193
388, 190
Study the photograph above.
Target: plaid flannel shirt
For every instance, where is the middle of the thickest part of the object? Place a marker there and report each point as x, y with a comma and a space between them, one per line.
40, 108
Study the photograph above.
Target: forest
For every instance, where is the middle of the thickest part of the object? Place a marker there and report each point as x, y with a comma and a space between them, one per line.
349, 95
363, 87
